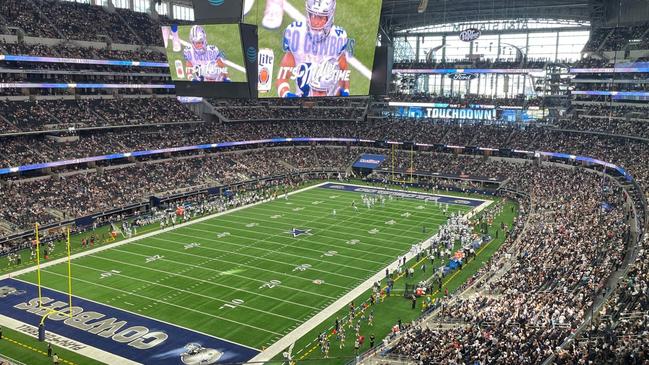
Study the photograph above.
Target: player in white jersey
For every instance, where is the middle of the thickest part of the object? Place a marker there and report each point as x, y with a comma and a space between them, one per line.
206, 60
315, 54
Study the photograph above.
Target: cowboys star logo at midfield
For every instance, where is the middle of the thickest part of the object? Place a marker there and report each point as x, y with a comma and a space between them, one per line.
315, 55
298, 232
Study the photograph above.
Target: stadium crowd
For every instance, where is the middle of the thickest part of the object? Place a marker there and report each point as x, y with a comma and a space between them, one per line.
616, 38
575, 240
83, 113
69, 50
90, 191
572, 248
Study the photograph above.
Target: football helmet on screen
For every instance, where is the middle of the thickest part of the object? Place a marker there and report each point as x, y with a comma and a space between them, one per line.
198, 38
320, 8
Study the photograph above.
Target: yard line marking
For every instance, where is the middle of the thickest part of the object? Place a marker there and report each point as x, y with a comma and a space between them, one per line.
167, 303
356, 279
228, 262
220, 274
151, 234
317, 251
143, 236
324, 232
321, 233
275, 349
270, 251
194, 293
391, 207
357, 217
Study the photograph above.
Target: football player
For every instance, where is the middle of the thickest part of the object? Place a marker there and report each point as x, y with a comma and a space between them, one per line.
205, 60
311, 47
273, 13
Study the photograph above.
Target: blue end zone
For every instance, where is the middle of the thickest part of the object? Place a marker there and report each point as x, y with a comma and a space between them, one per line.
128, 335
404, 194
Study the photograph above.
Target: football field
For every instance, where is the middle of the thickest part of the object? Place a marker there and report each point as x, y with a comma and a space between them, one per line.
253, 275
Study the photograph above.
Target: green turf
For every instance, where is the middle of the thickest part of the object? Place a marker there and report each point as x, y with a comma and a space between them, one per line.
396, 307
360, 20
192, 287
225, 37
30, 351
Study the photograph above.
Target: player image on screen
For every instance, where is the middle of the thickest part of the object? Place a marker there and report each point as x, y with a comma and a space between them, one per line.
205, 60
315, 55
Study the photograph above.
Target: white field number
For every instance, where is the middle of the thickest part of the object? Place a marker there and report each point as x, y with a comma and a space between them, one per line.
232, 304
154, 258
108, 274
271, 284
303, 267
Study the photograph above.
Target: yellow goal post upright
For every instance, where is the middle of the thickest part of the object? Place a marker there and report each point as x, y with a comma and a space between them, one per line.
41, 327
411, 162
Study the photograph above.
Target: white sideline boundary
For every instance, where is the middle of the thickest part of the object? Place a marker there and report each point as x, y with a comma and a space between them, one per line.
147, 235
66, 343
286, 341
291, 337
96, 353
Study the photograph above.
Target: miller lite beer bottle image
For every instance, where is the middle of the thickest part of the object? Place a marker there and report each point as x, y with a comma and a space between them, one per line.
266, 58
180, 72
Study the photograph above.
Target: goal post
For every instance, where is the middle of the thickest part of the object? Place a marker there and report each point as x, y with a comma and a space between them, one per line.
69, 313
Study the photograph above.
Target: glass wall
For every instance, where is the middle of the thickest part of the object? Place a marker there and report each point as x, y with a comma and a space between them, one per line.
162, 8
141, 6
183, 12
121, 4
552, 43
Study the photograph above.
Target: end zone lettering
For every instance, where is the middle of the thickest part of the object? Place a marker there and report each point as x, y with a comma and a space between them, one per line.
138, 337
52, 337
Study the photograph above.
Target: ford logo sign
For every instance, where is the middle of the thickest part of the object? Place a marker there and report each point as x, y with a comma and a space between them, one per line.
216, 2
462, 77
469, 35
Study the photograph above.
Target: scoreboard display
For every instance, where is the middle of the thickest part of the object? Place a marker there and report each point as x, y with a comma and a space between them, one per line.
204, 53
314, 48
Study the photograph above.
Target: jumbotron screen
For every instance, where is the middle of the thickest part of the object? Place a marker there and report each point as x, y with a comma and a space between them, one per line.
310, 48
204, 53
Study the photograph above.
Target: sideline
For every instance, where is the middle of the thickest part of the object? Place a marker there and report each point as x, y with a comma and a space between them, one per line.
275, 349
146, 235
62, 342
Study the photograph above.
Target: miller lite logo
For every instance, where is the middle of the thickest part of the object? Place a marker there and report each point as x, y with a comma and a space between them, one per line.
266, 57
